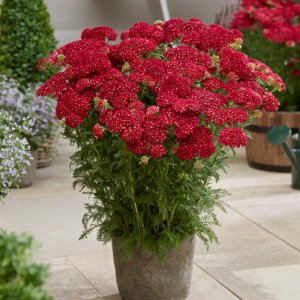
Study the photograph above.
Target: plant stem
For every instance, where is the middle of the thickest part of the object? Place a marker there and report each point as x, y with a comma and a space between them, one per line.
133, 198
169, 221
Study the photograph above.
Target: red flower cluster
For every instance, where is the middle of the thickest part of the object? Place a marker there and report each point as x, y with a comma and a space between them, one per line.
174, 87
278, 18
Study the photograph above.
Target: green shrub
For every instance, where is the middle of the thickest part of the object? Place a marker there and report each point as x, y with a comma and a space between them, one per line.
20, 278
26, 36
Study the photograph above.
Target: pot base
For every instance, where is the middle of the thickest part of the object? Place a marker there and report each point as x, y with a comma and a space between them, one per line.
147, 278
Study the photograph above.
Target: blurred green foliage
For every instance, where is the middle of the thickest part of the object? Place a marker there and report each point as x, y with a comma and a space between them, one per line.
26, 36
282, 59
20, 277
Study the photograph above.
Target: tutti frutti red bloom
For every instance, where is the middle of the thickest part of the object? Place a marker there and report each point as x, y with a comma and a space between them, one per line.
172, 88
279, 19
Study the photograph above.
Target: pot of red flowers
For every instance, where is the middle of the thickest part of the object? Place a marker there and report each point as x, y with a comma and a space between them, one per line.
272, 35
153, 118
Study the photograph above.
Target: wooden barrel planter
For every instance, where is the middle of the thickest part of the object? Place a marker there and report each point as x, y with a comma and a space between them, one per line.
262, 155
45, 153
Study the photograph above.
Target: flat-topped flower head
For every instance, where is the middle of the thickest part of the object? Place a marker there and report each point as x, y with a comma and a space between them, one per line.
173, 88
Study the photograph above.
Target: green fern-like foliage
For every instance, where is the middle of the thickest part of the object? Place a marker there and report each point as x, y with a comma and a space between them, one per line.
20, 277
26, 36
278, 57
154, 205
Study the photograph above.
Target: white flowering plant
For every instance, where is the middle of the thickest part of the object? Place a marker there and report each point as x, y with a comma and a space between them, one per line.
25, 104
14, 150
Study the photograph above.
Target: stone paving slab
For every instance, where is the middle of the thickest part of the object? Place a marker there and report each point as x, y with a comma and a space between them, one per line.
246, 248
67, 283
276, 283
244, 245
282, 219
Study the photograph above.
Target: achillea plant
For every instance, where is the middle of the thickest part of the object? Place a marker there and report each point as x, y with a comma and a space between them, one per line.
154, 117
14, 150
272, 35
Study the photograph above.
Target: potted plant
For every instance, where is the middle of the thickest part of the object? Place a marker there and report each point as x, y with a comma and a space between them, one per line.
27, 106
20, 277
153, 118
14, 151
27, 36
271, 35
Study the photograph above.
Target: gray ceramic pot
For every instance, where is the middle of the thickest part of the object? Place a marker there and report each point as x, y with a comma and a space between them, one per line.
28, 178
144, 277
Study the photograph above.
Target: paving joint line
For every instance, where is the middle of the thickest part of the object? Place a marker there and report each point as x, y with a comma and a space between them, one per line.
85, 277
262, 227
217, 280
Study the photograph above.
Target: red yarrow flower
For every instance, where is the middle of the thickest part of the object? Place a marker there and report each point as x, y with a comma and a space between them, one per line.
172, 88
232, 137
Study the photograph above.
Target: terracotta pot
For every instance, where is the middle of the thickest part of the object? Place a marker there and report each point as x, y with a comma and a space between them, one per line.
145, 277
260, 153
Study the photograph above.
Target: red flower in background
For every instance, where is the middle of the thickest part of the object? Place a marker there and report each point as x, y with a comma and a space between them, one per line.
174, 88
279, 19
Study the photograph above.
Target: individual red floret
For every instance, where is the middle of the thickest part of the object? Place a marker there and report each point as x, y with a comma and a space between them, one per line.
155, 131
132, 133
129, 49
191, 32
55, 58
54, 86
98, 131
217, 37
179, 85
83, 70
172, 30
270, 102
157, 150
101, 33
119, 91
183, 53
187, 69
185, 123
198, 144
138, 147
233, 137
184, 130
245, 97
213, 84
150, 71
144, 30
234, 62
242, 20
139, 105
142, 78
152, 110
208, 100
166, 98
73, 120
182, 105
232, 115
186, 151
80, 104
